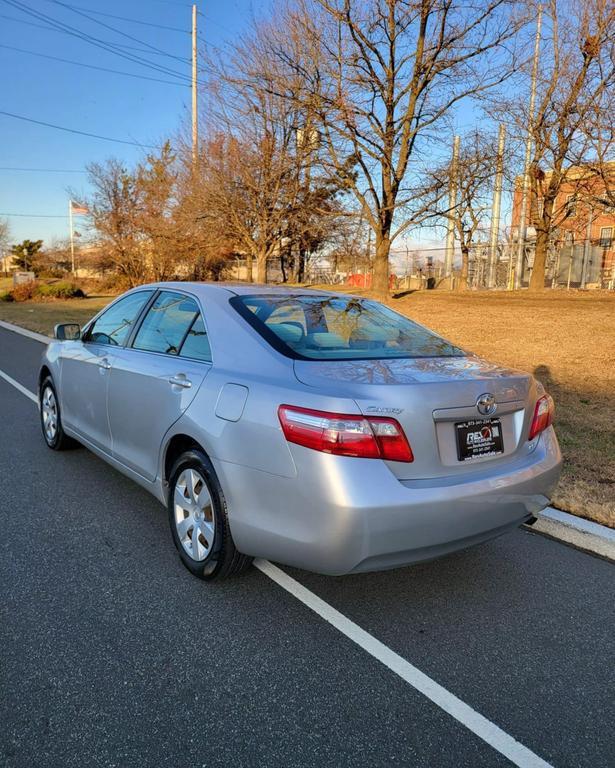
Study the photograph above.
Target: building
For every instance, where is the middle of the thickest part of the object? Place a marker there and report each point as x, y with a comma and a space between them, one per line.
583, 239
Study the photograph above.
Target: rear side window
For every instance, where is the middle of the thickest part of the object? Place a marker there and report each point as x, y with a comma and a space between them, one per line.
339, 328
166, 324
196, 343
115, 324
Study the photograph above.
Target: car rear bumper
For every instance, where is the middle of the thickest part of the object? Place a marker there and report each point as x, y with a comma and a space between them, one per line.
342, 515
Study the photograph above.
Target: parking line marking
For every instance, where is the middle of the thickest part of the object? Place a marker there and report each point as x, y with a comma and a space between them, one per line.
19, 387
489, 732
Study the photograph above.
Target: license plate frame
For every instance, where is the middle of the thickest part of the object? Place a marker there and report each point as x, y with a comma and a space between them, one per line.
478, 438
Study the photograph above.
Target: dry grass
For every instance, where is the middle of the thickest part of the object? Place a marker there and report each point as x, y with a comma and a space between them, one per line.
568, 342
42, 316
566, 339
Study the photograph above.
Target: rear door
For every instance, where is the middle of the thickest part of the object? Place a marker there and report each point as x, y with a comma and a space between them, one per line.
154, 379
86, 365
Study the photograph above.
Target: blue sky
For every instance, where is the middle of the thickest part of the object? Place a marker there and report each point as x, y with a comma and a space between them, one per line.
93, 101
90, 100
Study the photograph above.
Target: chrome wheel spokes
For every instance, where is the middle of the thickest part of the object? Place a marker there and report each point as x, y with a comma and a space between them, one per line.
194, 514
49, 411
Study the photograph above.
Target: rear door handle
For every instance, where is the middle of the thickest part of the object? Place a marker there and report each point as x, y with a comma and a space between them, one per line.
180, 381
104, 364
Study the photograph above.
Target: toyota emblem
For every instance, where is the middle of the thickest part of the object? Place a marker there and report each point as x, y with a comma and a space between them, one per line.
486, 404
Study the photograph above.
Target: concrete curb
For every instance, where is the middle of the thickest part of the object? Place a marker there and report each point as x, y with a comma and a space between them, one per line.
25, 332
580, 533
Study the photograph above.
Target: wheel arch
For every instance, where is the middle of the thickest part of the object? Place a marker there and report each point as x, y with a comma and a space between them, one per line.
43, 374
176, 445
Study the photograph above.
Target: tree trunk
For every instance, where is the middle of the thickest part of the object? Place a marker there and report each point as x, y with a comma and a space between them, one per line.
380, 281
465, 262
249, 269
261, 267
537, 279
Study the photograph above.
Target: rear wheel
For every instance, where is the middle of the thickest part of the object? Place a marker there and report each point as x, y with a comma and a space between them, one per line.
51, 419
199, 520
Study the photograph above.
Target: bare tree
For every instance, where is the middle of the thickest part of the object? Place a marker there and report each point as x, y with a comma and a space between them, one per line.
473, 180
576, 77
379, 78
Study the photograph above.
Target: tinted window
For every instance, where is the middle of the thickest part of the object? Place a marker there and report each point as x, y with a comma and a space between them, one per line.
339, 328
196, 344
114, 326
166, 324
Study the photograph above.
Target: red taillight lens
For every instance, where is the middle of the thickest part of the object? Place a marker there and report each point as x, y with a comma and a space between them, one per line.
344, 434
543, 416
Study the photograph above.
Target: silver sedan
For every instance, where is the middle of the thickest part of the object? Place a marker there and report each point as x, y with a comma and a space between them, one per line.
320, 430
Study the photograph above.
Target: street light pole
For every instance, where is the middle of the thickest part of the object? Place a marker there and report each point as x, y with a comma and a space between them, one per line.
452, 203
195, 122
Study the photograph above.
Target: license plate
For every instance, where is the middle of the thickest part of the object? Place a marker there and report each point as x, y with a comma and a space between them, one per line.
482, 437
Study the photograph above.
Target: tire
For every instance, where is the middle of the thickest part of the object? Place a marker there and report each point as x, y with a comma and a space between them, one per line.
198, 518
51, 418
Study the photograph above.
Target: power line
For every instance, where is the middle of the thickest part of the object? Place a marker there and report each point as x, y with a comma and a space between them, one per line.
133, 21
93, 66
74, 130
97, 42
40, 170
74, 9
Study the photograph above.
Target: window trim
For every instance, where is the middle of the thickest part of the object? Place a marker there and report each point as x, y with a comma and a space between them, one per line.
166, 355
238, 304
88, 326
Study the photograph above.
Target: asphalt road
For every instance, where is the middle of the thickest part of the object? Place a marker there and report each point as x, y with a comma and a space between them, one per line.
111, 654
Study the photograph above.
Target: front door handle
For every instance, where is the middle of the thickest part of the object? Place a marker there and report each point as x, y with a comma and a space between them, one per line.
180, 381
104, 364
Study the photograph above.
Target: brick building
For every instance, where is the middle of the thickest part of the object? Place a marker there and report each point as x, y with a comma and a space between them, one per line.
576, 214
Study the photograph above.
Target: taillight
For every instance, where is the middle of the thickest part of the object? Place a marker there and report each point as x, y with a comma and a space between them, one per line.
344, 434
543, 416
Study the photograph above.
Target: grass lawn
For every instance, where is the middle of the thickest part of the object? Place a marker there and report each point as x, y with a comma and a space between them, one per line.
566, 339
42, 316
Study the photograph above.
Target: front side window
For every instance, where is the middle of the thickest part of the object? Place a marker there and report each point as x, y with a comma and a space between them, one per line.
166, 324
113, 326
339, 328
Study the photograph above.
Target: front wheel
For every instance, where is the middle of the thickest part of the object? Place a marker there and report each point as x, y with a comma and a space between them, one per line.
51, 419
199, 520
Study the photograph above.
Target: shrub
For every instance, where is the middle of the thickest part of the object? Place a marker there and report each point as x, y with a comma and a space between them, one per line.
25, 291
60, 290
6, 296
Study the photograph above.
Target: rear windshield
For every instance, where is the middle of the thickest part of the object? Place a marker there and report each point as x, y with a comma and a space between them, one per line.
339, 328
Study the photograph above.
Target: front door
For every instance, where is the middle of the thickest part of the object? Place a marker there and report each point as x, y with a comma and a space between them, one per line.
86, 365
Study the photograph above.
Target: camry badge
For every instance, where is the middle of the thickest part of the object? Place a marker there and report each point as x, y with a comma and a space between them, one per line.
486, 404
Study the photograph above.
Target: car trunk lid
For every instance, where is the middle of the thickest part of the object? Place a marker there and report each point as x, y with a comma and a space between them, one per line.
429, 397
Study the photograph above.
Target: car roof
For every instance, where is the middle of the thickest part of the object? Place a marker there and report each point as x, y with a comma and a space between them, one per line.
240, 289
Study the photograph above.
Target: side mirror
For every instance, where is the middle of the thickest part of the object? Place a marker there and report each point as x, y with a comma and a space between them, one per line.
67, 332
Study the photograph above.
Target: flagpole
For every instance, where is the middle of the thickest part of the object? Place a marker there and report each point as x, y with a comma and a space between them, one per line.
72, 244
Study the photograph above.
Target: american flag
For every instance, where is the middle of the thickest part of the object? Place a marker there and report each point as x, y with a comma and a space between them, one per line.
77, 209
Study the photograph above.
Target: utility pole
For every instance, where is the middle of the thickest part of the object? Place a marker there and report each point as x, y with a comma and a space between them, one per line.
452, 202
195, 119
495, 208
586, 247
528, 156
72, 236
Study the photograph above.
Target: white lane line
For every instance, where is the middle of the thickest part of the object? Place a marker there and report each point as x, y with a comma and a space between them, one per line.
483, 728
479, 725
19, 387
25, 332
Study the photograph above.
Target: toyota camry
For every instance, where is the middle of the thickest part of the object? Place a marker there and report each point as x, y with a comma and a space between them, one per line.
320, 430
